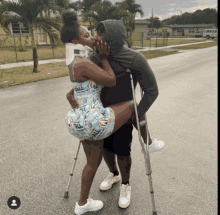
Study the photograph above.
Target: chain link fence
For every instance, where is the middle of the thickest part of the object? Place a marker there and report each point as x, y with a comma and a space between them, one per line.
150, 39
18, 48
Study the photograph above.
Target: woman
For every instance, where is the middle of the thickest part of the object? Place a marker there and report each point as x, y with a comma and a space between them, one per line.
91, 122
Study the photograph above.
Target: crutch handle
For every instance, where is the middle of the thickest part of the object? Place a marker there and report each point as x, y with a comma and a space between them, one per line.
142, 123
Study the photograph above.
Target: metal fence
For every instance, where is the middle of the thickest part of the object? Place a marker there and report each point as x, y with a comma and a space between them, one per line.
20, 43
151, 40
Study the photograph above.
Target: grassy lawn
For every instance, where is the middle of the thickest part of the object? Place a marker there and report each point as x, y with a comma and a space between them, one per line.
161, 42
22, 75
7, 54
156, 53
198, 46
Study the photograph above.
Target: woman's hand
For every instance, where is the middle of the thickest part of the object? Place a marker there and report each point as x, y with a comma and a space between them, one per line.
70, 97
103, 49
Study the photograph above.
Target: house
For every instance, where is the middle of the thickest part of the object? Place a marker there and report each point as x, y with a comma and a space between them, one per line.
141, 26
189, 29
17, 30
165, 29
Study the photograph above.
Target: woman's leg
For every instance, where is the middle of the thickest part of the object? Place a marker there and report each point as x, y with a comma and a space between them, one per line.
94, 153
123, 112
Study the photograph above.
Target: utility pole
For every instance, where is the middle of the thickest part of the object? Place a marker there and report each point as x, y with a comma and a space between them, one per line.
152, 19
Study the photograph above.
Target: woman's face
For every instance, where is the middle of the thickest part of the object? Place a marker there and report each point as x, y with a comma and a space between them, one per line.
84, 38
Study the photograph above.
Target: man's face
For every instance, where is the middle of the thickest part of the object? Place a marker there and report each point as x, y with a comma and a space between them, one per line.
100, 36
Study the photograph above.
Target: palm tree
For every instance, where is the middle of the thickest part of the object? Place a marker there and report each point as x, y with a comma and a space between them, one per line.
103, 11
28, 12
62, 5
129, 8
85, 10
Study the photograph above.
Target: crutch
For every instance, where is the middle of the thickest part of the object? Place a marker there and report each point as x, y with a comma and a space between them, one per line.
145, 152
66, 194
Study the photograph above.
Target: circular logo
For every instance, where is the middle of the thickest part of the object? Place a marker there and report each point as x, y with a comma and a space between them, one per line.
14, 202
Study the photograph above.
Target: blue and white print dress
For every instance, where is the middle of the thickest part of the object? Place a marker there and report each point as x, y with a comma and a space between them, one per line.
91, 121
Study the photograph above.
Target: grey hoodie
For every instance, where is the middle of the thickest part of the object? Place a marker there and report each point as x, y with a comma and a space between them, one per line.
120, 59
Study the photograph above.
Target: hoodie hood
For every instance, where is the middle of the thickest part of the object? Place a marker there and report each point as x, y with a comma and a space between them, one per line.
115, 34
121, 58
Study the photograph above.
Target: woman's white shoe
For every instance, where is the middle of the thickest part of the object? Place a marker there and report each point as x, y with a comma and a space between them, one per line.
109, 181
91, 205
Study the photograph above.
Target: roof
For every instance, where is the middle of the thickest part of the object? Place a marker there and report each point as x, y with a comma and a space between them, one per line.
142, 21
192, 26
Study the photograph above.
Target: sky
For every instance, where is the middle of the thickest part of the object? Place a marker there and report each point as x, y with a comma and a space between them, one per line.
166, 8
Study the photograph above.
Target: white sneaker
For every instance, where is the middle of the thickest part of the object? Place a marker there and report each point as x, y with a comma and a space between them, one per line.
109, 181
125, 196
156, 145
91, 205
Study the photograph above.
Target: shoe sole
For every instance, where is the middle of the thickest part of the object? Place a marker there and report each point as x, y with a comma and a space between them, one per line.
97, 209
156, 150
123, 206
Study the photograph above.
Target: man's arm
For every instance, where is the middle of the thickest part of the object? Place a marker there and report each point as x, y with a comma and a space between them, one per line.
148, 83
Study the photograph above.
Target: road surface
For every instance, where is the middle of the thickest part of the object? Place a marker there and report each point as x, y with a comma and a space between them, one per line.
36, 150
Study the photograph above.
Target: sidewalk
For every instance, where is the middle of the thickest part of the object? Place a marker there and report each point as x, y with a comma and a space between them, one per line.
137, 48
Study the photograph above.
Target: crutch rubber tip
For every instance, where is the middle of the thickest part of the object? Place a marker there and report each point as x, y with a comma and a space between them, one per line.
66, 195
154, 213
128, 70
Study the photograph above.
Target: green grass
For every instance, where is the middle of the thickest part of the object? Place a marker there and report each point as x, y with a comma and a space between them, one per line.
161, 42
198, 46
7, 54
23, 75
156, 53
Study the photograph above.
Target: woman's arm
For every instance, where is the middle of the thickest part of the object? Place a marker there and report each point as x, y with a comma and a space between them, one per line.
70, 97
85, 69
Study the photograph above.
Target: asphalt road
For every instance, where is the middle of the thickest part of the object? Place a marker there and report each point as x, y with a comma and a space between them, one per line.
36, 150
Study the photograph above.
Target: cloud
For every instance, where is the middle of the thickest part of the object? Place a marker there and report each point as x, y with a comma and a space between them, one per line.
200, 6
171, 9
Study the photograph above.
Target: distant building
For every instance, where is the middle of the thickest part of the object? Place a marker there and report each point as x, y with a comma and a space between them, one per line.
141, 26
189, 29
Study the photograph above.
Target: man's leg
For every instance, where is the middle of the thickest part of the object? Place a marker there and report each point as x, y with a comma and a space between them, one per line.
109, 158
124, 163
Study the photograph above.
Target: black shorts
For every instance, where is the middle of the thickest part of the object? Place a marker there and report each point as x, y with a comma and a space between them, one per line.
120, 141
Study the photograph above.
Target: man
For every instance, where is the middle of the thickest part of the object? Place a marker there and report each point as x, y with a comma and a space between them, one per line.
119, 143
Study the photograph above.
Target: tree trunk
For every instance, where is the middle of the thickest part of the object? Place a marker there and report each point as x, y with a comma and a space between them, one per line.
35, 59
35, 56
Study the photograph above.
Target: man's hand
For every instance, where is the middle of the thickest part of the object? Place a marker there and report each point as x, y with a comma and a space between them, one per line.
70, 97
103, 49
142, 128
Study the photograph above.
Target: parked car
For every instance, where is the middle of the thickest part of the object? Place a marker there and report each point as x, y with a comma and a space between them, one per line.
210, 33
198, 34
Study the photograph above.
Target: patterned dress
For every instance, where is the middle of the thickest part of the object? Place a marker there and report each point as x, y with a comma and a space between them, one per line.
91, 121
